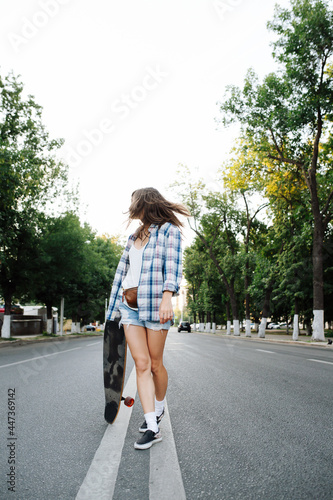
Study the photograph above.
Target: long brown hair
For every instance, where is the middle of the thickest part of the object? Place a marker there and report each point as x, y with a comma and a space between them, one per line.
151, 207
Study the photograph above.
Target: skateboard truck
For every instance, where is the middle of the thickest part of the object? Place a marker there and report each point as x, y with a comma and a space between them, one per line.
128, 401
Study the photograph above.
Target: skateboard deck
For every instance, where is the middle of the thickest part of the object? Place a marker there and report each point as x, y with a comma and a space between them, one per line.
114, 365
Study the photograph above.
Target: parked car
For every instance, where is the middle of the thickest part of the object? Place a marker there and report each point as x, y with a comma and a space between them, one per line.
89, 328
273, 326
15, 309
184, 325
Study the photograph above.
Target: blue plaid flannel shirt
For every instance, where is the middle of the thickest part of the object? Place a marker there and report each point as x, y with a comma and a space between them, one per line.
161, 270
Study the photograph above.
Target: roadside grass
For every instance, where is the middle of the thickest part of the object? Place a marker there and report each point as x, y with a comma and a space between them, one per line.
46, 335
328, 333
81, 334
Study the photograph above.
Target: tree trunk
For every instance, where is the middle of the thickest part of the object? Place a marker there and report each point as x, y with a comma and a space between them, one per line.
49, 315
228, 318
296, 320
247, 296
233, 302
318, 239
236, 327
256, 324
247, 283
208, 322
247, 279
247, 299
308, 327
214, 323
247, 328
265, 312
201, 321
318, 280
5, 330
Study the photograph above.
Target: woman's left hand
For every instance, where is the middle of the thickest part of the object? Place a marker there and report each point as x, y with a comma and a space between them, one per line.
166, 310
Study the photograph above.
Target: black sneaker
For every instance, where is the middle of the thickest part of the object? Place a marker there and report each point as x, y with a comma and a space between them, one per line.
147, 440
143, 427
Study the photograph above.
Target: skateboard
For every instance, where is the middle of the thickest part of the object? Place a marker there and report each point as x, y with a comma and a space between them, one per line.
114, 365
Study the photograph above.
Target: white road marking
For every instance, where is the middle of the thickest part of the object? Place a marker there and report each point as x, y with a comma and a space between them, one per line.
94, 343
101, 477
320, 361
39, 357
165, 480
263, 350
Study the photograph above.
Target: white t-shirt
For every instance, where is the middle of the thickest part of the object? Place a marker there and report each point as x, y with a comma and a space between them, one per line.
134, 270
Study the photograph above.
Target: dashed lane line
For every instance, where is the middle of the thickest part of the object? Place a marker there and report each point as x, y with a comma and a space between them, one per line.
101, 477
46, 355
264, 350
321, 361
165, 479
39, 357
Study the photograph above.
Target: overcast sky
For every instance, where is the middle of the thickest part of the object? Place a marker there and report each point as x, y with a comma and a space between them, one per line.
132, 86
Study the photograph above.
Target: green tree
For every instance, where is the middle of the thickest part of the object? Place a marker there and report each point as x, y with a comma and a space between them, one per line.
194, 267
288, 118
218, 229
92, 285
30, 175
75, 264
61, 251
241, 178
206, 293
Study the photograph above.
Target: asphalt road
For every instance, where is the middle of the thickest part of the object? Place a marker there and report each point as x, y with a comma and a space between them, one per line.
246, 420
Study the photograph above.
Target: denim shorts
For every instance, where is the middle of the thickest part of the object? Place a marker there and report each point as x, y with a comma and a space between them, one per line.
131, 317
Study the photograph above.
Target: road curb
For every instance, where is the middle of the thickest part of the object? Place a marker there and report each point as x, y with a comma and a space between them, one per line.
19, 342
273, 341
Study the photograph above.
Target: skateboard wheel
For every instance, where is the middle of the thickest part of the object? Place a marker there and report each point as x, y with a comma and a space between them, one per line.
129, 401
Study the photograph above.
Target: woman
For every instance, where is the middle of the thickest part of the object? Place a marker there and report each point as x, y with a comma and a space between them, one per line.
151, 267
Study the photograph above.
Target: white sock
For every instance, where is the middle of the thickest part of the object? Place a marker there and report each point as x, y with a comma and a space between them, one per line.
151, 421
159, 407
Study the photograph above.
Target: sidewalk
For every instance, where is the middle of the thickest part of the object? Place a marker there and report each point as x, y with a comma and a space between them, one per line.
31, 339
277, 337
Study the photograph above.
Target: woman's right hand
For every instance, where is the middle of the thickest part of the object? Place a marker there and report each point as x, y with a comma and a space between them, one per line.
166, 309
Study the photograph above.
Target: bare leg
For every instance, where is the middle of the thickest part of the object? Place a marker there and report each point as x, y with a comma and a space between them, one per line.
156, 343
136, 337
